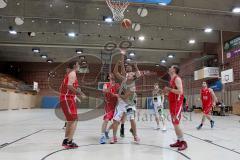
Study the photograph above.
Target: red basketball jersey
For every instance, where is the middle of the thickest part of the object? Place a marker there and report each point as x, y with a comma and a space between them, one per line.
172, 96
112, 89
64, 91
206, 96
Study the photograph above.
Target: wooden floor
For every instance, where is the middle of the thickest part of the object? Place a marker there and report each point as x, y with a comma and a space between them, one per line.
37, 134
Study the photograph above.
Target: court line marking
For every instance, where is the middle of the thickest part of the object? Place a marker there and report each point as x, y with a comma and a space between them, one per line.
185, 156
7, 144
211, 142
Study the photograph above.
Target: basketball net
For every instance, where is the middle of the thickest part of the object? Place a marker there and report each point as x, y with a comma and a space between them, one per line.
117, 7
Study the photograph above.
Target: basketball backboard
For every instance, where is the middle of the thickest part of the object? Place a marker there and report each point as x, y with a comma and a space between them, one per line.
227, 76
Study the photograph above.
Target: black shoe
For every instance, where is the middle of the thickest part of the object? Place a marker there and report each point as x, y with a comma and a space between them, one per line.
199, 127
65, 142
71, 145
122, 132
212, 123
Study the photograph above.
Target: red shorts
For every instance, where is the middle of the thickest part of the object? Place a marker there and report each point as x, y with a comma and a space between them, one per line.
108, 116
69, 108
207, 108
175, 111
109, 111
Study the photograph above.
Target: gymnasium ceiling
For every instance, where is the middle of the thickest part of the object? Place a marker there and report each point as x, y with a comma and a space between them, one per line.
167, 29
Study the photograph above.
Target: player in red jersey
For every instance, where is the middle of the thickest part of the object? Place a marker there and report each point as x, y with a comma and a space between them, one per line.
209, 100
175, 97
68, 91
67, 71
110, 89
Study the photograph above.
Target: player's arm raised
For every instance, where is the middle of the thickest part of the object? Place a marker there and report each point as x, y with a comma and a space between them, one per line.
138, 73
116, 72
123, 70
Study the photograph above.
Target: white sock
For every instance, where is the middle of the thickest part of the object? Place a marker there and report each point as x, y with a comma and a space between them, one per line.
180, 138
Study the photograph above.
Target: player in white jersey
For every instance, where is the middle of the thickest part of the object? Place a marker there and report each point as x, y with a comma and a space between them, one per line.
158, 101
126, 100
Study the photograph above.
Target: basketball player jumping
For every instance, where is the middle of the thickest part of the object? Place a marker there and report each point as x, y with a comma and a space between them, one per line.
158, 100
110, 90
175, 97
69, 89
209, 100
126, 100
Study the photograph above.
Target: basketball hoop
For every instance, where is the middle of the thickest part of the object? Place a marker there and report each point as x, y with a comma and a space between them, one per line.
117, 7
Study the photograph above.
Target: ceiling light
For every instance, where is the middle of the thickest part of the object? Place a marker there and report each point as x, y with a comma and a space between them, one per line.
132, 54
170, 56
71, 34
157, 65
128, 59
66, 6
78, 51
50, 61
141, 38
44, 56
162, 4
59, 22
163, 61
84, 62
50, 5
107, 19
208, 30
98, 24
191, 41
36, 50
236, 10
13, 32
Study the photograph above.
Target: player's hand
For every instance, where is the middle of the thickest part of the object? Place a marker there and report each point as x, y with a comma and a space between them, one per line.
167, 89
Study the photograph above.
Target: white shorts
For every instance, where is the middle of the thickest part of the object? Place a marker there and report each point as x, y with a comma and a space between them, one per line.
158, 109
131, 110
120, 110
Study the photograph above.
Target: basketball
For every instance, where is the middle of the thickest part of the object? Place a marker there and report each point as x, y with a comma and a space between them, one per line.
126, 23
